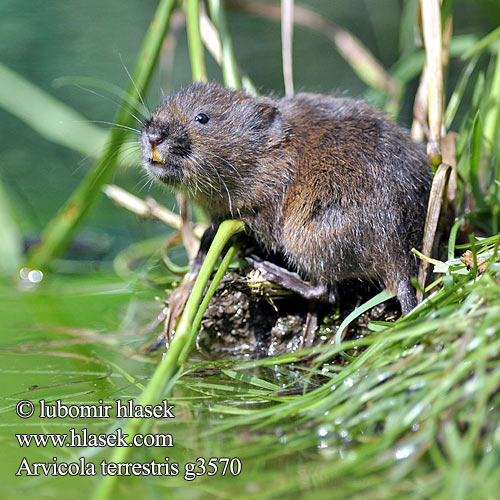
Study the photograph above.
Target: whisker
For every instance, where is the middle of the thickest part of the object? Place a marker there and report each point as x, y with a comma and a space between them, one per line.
225, 161
111, 100
130, 145
203, 182
145, 183
133, 83
138, 132
127, 157
230, 201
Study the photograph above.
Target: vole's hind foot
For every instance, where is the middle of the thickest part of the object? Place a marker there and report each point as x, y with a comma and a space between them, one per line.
292, 281
406, 296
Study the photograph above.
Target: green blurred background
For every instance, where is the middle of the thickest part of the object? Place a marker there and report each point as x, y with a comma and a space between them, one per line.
43, 41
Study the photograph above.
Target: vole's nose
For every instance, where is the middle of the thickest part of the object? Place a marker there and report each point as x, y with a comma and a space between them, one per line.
155, 140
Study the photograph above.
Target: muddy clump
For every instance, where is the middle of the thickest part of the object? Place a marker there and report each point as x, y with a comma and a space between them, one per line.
249, 321
244, 322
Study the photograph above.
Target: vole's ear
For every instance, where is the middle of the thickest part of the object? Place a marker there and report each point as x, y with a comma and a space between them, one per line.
268, 118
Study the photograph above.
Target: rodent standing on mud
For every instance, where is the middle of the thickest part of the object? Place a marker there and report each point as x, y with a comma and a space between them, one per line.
330, 184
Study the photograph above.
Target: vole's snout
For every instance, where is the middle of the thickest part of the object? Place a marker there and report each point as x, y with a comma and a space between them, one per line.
165, 142
155, 140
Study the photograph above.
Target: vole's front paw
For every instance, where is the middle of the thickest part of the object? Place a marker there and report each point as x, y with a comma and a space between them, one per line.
272, 272
291, 281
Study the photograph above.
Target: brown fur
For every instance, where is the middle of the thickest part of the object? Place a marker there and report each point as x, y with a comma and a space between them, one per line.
328, 183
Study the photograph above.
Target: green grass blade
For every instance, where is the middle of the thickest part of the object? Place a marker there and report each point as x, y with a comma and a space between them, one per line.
252, 380
170, 368
51, 118
378, 299
196, 50
456, 96
475, 159
190, 314
483, 44
492, 116
208, 296
406, 28
409, 67
229, 65
453, 238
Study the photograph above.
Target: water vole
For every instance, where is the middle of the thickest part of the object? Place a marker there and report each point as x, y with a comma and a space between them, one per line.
330, 184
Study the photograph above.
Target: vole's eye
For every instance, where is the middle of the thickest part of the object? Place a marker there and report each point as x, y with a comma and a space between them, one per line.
201, 118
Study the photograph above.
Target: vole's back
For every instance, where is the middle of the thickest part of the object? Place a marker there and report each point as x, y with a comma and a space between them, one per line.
358, 202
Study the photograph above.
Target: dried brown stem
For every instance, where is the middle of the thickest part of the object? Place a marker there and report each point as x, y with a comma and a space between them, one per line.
433, 210
148, 208
419, 128
210, 36
431, 20
287, 8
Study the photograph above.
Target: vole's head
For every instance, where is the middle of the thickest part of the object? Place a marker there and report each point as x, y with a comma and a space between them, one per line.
209, 139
